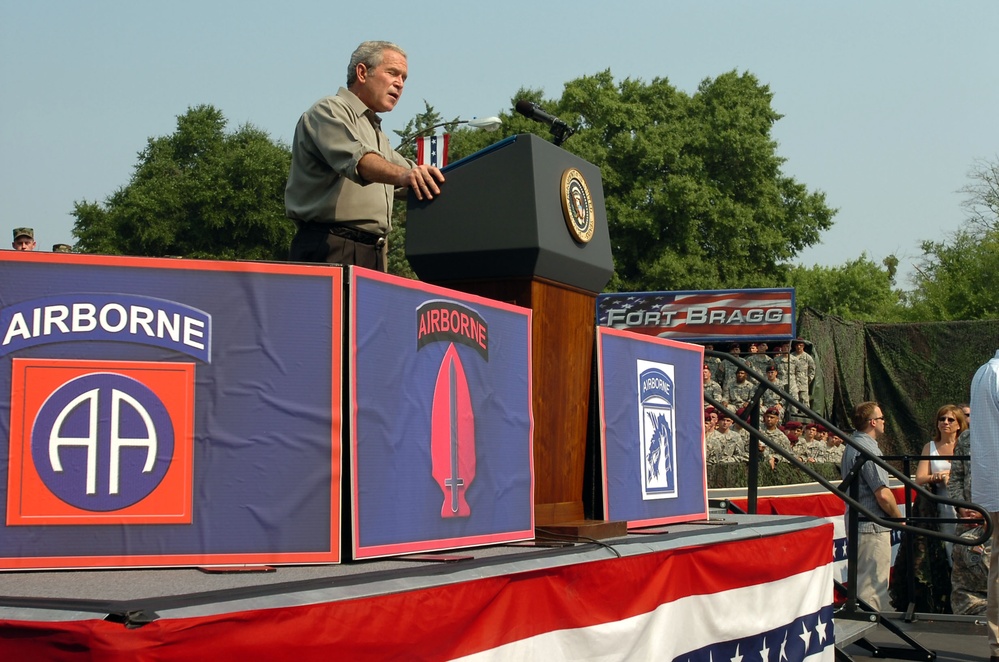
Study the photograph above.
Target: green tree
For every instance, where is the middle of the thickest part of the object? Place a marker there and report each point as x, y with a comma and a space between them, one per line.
958, 278
981, 202
856, 290
694, 192
198, 193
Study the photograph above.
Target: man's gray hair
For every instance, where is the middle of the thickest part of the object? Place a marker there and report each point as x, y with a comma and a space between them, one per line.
370, 55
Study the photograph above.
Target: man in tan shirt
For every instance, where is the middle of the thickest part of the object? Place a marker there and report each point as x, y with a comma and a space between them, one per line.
343, 169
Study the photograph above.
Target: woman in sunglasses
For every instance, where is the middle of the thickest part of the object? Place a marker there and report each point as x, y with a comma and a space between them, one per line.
931, 558
934, 473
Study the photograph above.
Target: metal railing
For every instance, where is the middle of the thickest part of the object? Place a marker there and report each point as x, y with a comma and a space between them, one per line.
847, 490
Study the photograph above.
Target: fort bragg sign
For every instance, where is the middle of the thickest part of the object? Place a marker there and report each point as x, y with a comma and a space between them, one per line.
702, 316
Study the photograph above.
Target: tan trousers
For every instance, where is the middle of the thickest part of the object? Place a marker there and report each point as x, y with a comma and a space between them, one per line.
873, 566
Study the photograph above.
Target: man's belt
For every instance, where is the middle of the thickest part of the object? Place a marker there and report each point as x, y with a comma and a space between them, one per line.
359, 236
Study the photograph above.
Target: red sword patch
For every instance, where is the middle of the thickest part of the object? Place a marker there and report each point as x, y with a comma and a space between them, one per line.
452, 435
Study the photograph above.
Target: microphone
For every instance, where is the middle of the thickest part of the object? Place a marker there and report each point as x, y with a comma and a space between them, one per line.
559, 129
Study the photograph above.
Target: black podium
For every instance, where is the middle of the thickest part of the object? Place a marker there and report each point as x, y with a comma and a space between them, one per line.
523, 222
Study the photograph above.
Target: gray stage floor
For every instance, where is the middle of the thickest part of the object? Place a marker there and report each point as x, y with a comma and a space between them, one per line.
184, 592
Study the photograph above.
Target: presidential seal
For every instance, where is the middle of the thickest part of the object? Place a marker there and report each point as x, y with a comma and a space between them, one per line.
577, 206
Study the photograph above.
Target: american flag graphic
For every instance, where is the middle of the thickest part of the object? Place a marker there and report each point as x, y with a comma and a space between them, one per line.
432, 150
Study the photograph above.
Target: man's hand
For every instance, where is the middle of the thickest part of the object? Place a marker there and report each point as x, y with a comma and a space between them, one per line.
424, 180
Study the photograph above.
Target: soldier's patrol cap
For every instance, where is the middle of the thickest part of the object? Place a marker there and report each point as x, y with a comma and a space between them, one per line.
62, 248
24, 232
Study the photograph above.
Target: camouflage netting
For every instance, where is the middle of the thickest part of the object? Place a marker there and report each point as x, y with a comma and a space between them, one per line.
910, 369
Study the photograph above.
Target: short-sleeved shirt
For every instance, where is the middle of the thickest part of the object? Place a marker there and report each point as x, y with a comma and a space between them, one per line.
323, 184
872, 477
985, 436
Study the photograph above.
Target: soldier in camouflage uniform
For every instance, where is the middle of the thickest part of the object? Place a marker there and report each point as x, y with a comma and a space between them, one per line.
740, 391
772, 399
830, 451
712, 388
757, 361
803, 367
715, 365
725, 444
729, 368
774, 434
808, 447
970, 570
782, 359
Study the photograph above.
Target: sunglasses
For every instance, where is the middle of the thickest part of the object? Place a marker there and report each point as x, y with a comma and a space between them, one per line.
947, 418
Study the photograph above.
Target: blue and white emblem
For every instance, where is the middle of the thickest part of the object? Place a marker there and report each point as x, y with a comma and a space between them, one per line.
657, 421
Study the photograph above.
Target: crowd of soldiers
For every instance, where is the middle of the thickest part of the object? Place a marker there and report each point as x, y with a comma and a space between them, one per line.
789, 367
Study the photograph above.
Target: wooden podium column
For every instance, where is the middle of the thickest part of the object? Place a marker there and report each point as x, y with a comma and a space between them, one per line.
562, 349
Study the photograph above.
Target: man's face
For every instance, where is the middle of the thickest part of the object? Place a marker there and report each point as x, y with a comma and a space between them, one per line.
878, 420
809, 434
740, 376
724, 424
799, 348
706, 375
381, 86
770, 420
772, 374
24, 243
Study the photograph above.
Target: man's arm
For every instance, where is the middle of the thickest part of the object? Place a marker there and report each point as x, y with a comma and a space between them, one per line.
887, 501
422, 179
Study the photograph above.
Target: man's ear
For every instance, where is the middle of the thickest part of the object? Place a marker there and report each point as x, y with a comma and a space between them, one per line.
361, 71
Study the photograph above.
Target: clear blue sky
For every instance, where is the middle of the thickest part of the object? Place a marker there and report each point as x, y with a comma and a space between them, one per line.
886, 105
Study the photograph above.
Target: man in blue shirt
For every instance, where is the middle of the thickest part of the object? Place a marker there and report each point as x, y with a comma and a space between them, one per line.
874, 545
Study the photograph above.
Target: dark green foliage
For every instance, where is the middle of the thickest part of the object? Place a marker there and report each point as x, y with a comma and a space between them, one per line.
695, 196
858, 289
198, 193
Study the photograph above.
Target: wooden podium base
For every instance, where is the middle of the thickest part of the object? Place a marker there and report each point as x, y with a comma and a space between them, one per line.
590, 528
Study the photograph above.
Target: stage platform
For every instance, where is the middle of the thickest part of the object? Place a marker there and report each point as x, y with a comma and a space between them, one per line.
692, 591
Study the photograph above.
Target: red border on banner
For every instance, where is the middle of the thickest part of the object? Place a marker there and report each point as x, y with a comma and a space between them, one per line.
333, 273
676, 344
436, 544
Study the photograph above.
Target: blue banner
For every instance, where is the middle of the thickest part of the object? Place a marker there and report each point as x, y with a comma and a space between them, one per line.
169, 412
441, 436
652, 434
